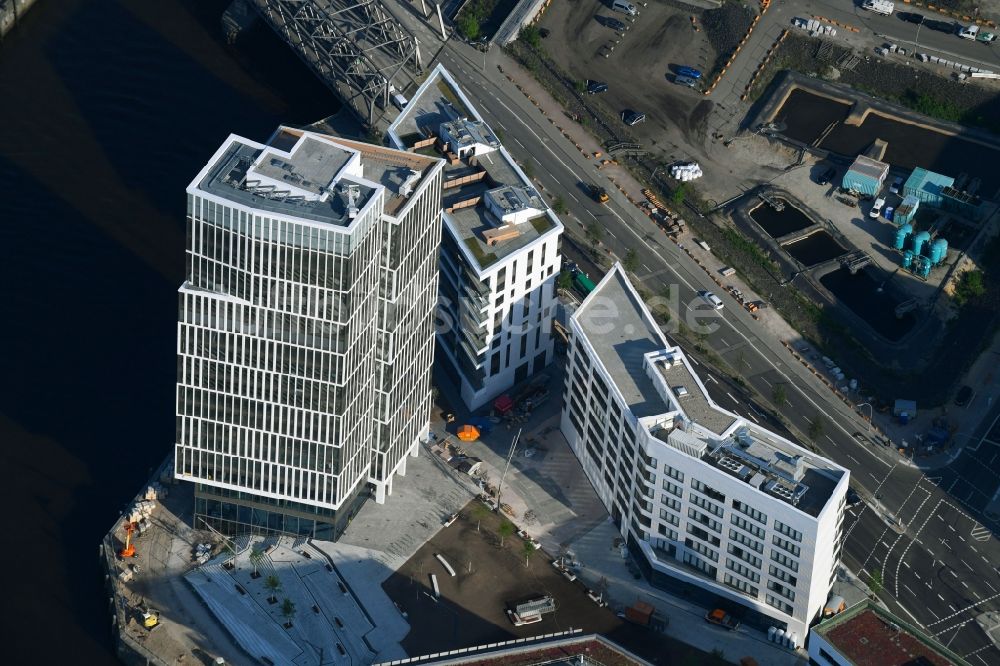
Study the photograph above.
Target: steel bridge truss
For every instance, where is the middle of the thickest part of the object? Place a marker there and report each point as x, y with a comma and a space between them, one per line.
356, 47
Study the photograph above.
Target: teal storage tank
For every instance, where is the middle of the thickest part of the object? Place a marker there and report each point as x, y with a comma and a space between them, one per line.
925, 267
907, 259
919, 240
901, 235
939, 250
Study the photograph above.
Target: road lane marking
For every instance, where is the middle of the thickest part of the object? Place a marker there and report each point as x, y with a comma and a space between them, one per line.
960, 612
917, 575
942, 598
909, 590
967, 566
906, 564
732, 398
610, 233
765, 381
965, 585
647, 268
950, 606
711, 378
854, 459
831, 441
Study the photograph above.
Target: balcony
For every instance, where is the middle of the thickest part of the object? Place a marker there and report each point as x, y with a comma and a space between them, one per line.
478, 300
474, 336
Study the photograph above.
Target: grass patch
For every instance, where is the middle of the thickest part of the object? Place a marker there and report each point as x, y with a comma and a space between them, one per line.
450, 95
541, 224
484, 258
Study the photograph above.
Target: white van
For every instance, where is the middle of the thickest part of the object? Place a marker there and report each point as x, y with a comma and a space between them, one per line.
883, 7
624, 7
399, 101
711, 299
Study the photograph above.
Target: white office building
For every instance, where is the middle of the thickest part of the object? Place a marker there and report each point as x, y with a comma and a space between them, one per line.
712, 506
499, 251
305, 335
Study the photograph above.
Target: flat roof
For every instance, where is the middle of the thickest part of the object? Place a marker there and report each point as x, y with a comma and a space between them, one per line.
928, 181
695, 404
621, 333
232, 177
390, 168
868, 635
869, 167
626, 339
438, 100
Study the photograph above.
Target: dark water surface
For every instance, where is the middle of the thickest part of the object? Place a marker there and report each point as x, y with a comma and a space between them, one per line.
815, 248
861, 294
108, 110
780, 223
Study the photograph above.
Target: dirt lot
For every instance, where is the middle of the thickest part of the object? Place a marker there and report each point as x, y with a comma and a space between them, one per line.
658, 41
472, 607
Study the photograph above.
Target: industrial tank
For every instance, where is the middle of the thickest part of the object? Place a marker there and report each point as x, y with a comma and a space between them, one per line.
924, 267
907, 259
901, 235
939, 250
919, 240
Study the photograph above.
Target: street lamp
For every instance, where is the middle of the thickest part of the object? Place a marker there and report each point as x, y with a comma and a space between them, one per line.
871, 413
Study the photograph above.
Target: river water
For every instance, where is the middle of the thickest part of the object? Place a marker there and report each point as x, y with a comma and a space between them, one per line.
107, 111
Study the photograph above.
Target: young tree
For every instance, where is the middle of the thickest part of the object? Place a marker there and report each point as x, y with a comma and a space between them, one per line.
559, 206
875, 582
272, 584
816, 427
631, 261
479, 511
527, 549
256, 557
594, 233
778, 395
288, 611
531, 36
565, 280
505, 529
468, 26
678, 195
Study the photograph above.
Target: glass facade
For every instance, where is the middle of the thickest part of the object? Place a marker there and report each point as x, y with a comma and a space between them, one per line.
305, 347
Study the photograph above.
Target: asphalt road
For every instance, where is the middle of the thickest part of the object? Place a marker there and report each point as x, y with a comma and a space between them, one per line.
896, 489
908, 35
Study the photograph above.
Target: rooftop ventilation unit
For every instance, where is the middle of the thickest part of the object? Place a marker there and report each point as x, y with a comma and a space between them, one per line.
353, 194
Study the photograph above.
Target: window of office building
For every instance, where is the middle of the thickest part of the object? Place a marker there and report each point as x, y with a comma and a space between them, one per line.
744, 524
742, 507
742, 570
793, 534
787, 545
707, 490
779, 604
673, 473
746, 541
741, 585
784, 560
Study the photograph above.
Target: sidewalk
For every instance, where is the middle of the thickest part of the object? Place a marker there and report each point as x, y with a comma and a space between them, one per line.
598, 558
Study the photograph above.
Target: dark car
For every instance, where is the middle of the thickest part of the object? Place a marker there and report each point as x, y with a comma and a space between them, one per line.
544, 32
614, 24
940, 26
911, 17
689, 72
630, 117
853, 498
825, 177
964, 396
594, 87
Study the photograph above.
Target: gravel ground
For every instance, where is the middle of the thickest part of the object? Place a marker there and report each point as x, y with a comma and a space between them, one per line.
725, 27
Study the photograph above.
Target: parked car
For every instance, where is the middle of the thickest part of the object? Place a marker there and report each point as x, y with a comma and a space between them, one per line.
969, 32
827, 176
876, 208
853, 498
689, 72
897, 185
912, 17
723, 619
711, 299
986, 37
594, 87
630, 117
624, 7
614, 24
685, 81
597, 193
964, 396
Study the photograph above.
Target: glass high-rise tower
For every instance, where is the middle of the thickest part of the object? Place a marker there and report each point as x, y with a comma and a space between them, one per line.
305, 336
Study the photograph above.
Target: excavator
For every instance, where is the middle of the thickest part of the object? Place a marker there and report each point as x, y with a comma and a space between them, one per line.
129, 549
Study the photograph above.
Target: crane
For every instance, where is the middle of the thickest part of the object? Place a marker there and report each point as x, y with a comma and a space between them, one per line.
129, 549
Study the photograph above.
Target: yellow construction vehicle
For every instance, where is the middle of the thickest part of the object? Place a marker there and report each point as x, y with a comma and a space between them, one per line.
150, 618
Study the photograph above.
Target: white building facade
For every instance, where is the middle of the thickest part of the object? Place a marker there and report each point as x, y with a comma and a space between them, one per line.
500, 250
712, 506
297, 329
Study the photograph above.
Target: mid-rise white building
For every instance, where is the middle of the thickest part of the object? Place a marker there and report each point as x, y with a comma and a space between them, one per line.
305, 335
712, 506
499, 251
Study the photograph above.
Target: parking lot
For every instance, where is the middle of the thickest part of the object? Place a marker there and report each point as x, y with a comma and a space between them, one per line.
489, 577
642, 65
